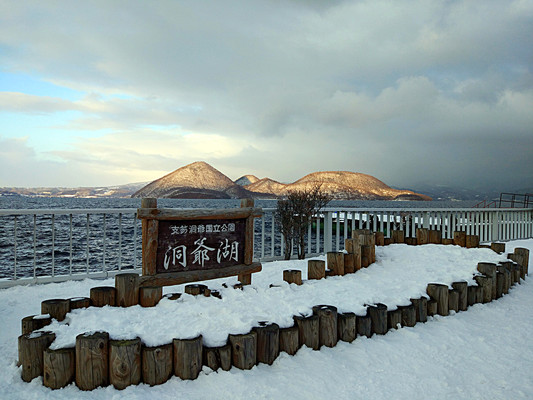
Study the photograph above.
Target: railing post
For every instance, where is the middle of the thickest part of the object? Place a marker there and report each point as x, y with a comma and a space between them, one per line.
426, 220
328, 225
495, 230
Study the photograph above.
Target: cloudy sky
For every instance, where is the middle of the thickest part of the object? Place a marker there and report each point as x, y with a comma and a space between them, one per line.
113, 92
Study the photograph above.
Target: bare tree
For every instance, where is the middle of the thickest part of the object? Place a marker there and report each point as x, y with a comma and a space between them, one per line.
295, 213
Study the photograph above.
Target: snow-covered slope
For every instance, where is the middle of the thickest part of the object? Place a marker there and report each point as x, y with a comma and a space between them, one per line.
196, 180
483, 353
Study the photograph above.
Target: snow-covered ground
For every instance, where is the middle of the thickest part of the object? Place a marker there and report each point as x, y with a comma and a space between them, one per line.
483, 353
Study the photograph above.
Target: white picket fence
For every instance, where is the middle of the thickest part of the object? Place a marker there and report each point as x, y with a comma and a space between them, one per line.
40, 246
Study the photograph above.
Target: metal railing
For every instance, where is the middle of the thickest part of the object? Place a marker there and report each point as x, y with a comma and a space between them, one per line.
39, 246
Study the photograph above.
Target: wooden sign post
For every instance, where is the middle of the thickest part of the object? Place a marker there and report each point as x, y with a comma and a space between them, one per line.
180, 246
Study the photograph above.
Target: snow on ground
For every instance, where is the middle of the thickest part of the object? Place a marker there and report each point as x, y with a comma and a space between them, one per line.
484, 353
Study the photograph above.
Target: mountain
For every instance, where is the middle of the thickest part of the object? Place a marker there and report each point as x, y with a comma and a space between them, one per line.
198, 180
341, 185
246, 180
268, 186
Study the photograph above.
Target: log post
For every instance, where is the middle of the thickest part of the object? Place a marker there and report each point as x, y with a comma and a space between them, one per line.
292, 276
195, 289
421, 308
31, 350
308, 330
447, 241
516, 273
187, 357
378, 315
124, 363
500, 282
218, 357
432, 307
267, 342
506, 277
363, 323
453, 300
471, 295
398, 236
79, 302
245, 279
366, 256
352, 245
316, 269
380, 239
439, 293
489, 269
288, 340
472, 241
462, 289
479, 294
498, 247
459, 238
172, 296
59, 367
411, 241
346, 326
336, 262
244, 350
435, 236
422, 236
327, 317
57, 308
149, 296
157, 364
127, 286
523, 258
34, 323
92, 360
103, 296
349, 263
394, 319
408, 313
485, 283
388, 241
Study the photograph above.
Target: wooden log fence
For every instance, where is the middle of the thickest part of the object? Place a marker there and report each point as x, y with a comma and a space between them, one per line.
98, 361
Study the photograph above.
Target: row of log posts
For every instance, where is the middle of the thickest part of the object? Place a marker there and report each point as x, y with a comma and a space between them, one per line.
98, 361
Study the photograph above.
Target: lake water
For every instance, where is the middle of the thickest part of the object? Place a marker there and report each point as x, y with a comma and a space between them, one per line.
49, 250
63, 202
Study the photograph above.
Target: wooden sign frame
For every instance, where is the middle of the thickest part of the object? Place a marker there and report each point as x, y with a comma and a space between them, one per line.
151, 217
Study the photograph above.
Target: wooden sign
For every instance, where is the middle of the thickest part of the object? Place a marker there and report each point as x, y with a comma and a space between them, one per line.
181, 246
200, 244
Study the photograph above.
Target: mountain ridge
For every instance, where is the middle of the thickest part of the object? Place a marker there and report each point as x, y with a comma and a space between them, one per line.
201, 180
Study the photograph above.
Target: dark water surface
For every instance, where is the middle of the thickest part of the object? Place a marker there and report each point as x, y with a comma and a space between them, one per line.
108, 242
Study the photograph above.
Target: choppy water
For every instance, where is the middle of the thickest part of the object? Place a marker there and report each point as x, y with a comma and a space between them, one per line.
90, 252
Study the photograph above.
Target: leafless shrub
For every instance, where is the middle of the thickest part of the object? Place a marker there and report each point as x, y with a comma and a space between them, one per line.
295, 213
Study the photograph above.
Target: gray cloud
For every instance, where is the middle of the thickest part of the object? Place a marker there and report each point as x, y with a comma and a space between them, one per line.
406, 91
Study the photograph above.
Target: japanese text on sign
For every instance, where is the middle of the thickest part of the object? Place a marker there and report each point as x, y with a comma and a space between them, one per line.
194, 245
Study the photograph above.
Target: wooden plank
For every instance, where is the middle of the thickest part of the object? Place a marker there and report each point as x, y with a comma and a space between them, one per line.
197, 213
249, 241
150, 229
177, 278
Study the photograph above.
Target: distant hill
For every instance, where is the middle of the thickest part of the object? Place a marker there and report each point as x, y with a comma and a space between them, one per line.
267, 186
246, 180
341, 185
121, 191
200, 180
